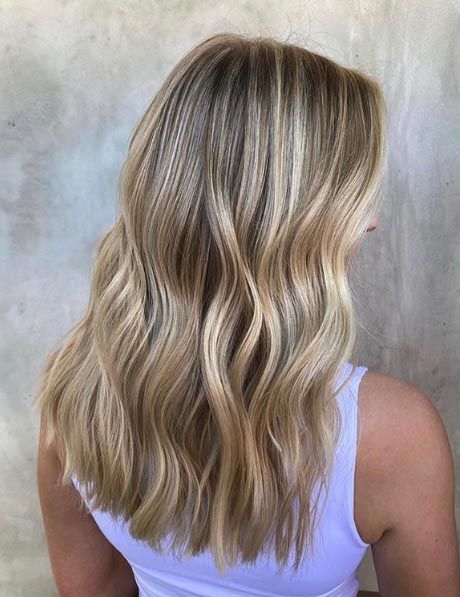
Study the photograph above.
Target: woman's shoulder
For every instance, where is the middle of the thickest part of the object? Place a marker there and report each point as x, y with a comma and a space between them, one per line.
395, 413
390, 404
399, 425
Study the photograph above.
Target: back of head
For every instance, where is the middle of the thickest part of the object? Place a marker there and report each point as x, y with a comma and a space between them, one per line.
196, 395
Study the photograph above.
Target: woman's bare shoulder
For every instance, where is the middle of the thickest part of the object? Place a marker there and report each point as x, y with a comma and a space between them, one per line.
397, 420
405, 489
394, 412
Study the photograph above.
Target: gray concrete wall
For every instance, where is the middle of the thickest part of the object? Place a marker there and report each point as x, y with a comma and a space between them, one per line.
75, 76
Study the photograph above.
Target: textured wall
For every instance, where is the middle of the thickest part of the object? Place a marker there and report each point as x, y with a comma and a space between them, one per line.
75, 76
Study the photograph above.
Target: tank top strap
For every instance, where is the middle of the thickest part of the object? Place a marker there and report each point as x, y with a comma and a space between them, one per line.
350, 395
348, 444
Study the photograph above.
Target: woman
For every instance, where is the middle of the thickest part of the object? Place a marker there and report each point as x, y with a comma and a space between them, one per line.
205, 403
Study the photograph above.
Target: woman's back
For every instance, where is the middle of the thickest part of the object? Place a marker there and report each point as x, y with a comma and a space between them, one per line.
332, 572
384, 420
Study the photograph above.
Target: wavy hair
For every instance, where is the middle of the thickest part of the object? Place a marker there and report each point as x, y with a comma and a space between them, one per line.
196, 396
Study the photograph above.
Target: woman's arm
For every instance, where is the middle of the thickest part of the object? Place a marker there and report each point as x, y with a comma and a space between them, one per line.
417, 554
83, 561
123, 579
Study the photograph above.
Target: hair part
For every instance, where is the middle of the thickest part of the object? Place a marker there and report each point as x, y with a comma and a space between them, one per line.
196, 396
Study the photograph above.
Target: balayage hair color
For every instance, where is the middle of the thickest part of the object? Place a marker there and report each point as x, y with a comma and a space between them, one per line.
195, 396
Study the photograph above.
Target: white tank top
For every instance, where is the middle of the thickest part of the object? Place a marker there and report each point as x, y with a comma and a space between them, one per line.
331, 572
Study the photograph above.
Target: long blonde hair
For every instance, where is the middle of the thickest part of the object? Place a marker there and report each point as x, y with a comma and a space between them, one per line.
196, 395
